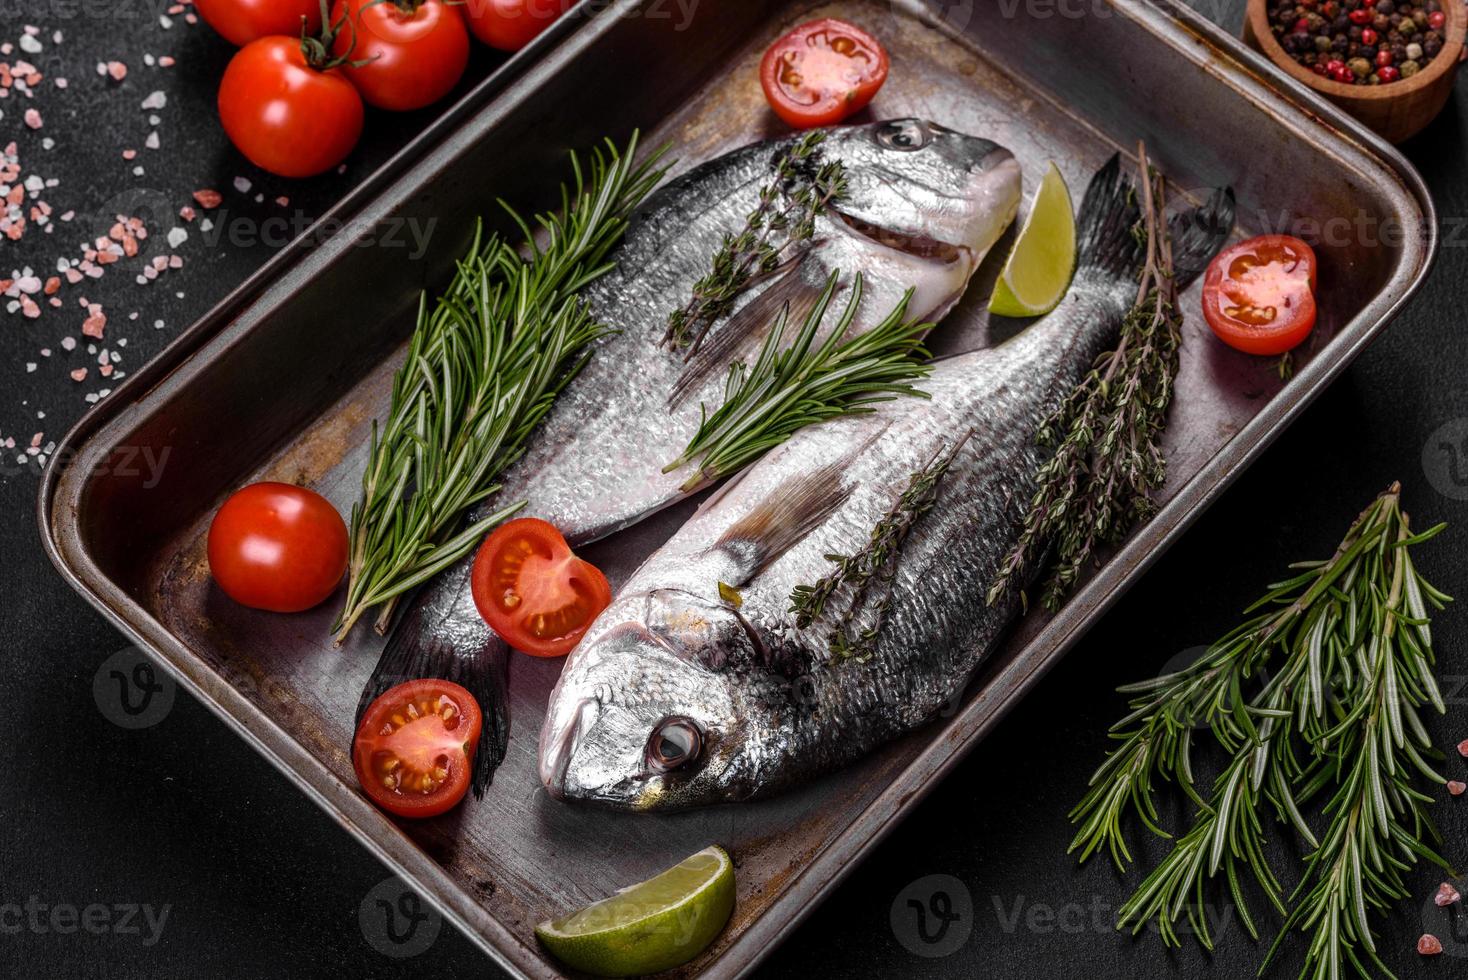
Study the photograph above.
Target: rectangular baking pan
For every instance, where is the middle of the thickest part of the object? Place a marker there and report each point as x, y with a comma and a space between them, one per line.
283, 382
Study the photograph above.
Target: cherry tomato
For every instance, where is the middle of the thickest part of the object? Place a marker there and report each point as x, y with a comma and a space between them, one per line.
243, 21
822, 72
416, 50
511, 24
285, 115
533, 591
415, 747
277, 547
1259, 295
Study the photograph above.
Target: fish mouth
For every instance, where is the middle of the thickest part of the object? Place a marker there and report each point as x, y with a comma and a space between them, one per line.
916, 244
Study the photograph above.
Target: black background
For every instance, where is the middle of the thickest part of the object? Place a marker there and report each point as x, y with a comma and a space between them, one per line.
260, 883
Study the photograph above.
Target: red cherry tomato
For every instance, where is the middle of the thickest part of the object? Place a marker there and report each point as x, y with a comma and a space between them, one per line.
415, 747
283, 114
822, 72
533, 591
415, 53
511, 24
1259, 295
243, 21
277, 547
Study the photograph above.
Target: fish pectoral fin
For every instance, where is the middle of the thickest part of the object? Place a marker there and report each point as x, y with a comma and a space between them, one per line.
792, 287
794, 509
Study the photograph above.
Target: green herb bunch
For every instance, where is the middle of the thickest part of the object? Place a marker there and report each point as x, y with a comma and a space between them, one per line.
1106, 436
805, 383
483, 367
1334, 735
874, 565
785, 219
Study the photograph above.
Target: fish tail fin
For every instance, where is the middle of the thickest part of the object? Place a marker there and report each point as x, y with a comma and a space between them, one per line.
1106, 232
1198, 234
481, 666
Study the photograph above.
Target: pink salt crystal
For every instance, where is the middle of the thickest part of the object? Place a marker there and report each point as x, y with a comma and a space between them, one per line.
1463, 748
105, 370
52, 284
95, 323
117, 70
33, 119
1446, 895
29, 308
187, 213
1429, 945
80, 374
1456, 788
129, 154
166, 61
208, 198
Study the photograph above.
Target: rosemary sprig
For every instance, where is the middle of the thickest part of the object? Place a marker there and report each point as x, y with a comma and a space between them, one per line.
874, 564
789, 389
1352, 649
773, 232
1108, 461
483, 367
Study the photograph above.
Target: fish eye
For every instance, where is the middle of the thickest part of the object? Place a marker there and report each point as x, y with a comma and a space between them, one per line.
673, 744
905, 135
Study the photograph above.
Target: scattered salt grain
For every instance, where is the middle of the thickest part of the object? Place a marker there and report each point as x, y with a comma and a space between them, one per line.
152, 142
242, 185
80, 374
33, 119
117, 70
1446, 895
157, 100
208, 198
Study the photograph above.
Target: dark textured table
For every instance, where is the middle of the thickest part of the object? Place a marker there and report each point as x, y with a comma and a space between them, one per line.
175, 851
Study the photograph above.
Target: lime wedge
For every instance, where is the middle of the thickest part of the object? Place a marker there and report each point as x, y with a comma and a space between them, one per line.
657, 925
1038, 271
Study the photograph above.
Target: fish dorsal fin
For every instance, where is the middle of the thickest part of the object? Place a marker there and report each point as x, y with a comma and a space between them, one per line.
793, 509
792, 292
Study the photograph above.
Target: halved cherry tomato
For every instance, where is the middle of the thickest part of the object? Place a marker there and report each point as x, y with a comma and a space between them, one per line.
415, 51
1259, 295
286, 115
415, 747
822, 72
533, 591
511, 24
243, 21
277, 547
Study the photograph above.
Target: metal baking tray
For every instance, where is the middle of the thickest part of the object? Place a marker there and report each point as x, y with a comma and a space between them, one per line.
282, 383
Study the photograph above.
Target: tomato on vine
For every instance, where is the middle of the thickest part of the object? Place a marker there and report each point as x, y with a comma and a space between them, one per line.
243, 21
405, 54
286, 104
509, 25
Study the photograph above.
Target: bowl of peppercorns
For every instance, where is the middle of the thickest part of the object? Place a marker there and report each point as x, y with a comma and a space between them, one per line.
1389, 63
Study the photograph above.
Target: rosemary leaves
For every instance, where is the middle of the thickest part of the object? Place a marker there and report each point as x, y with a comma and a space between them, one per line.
855, 576
1337, 725
774, 232
788, 389
1107, 459
483, 367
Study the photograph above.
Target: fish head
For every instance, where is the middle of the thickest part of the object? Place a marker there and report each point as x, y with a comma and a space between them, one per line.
652, 712
924, 189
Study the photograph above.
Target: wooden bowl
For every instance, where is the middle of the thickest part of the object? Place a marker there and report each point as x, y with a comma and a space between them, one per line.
1395, 111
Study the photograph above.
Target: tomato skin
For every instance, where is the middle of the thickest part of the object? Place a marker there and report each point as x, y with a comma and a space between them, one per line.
1259, 295
413, 59
277, 547
509, 25
284, 115
416, 745
533, 591
243, 21
822, 72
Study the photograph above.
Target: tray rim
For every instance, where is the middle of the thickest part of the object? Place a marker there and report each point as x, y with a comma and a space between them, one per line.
89, 442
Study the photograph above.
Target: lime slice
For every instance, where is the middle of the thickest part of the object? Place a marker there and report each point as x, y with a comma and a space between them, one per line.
1038, 271
657, 925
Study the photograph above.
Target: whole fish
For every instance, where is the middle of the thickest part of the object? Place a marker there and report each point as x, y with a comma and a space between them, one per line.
922, 206
698, 684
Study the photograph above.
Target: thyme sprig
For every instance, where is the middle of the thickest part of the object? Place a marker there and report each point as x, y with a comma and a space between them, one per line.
484, 365
1106, 436
874, 564
784, 220
788, 389
1350, 641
